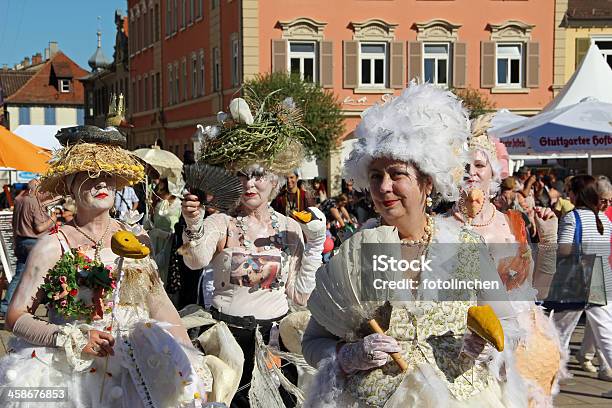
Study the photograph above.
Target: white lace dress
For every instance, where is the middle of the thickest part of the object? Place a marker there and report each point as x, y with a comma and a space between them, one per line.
149, 368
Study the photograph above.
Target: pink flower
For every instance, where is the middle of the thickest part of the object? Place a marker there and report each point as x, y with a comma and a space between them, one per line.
62, 279
113, 284
87, 259
63, 303
109, 267
109, 304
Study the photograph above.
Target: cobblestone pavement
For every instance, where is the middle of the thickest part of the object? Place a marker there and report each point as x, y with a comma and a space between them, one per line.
583, 390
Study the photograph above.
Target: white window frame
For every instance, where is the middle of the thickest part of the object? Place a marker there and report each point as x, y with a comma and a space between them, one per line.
235, 62
436, 58
64, 85
202, 73
604, 53
177, 83
372, 58
302, 56
216, 69
509, 74
194, 75
170, 86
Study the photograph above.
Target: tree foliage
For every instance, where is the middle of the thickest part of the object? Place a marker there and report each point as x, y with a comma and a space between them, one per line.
474, 101
322, 111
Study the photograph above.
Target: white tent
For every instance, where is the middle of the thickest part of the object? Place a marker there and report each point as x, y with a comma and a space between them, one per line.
592, 79
40, 135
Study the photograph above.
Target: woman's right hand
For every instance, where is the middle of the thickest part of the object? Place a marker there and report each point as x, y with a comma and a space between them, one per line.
191, 206
371, 352
100, 344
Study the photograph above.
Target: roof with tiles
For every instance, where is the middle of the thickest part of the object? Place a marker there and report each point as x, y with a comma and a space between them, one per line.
43, 85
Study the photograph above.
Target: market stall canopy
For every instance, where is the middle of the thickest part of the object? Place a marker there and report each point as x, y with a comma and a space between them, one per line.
585, 127
40, 135
593, 78
19, 154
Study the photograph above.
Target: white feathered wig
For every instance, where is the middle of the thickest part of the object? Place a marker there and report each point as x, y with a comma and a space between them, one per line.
426, 126
480, 140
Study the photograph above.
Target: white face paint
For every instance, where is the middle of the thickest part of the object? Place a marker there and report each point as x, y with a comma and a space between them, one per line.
480, 172
94, 193
257, 190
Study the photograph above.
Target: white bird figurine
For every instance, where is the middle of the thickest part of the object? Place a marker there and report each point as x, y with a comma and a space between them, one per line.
239, 108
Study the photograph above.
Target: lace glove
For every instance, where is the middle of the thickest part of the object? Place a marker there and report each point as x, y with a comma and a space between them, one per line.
73, 338
371, 352
314, 231
476, 348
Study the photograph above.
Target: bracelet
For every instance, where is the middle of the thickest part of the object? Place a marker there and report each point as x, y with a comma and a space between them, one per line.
194, 235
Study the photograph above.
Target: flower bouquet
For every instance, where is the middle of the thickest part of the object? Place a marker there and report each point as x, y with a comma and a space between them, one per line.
72, 272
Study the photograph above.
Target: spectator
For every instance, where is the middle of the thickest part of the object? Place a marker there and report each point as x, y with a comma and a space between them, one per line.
320, 193
125, 201
341, 224
588, 349
524, 185
30, 221
291, 198
596, 230
69, 210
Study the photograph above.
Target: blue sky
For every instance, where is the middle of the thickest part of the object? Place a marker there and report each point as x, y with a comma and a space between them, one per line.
27, 26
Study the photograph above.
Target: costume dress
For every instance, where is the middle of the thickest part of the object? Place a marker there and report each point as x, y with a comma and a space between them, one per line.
149, 368
429, 330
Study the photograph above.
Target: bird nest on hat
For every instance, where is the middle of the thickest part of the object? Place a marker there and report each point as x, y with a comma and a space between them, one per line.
94, 151
271, 138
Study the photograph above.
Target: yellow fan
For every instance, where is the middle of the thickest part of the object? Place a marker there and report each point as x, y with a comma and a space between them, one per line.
483, 321
125, 244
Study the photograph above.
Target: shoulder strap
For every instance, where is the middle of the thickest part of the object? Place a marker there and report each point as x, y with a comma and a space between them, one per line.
578, 229
63, 240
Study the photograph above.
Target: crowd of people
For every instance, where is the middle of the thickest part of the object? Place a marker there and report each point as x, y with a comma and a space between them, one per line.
281, 280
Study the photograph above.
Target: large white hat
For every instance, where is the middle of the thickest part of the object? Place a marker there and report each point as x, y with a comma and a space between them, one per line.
426, 126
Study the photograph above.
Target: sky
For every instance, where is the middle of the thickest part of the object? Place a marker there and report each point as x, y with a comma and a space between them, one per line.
27, 26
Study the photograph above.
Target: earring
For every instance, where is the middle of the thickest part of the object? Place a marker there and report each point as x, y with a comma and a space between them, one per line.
428, 201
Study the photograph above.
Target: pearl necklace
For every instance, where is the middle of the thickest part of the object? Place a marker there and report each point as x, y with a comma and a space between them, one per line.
97, 243
426, 237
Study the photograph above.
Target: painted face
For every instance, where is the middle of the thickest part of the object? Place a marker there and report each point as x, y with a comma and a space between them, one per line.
396, 189
479, 172
94, 193
257, 189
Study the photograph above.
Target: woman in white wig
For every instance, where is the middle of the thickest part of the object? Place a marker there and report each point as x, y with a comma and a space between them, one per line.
409, 151
538, 353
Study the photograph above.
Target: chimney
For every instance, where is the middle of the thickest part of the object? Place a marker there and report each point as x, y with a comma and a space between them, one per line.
36, 59
53, 49
46, 54
26, 62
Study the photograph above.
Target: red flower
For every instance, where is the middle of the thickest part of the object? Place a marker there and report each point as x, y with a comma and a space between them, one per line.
85, 266
108, 328
54, 229
74, 292
113, 285
33, 353
62, 279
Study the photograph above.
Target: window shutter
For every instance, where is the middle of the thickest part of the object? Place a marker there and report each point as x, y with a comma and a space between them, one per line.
582, 47
415, 60
460, 65
487, 64
279, 55
326, 68
351, 61
397, 73
533, 65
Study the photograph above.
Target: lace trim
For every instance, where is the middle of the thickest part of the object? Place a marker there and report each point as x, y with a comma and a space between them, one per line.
72, 339
138, 379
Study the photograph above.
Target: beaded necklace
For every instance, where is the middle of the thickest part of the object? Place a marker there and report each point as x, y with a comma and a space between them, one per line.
278, 240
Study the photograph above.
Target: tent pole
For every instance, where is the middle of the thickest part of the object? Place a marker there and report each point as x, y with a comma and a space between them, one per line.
589, 164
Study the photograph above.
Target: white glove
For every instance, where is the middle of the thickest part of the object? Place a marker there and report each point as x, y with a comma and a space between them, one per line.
546, 225
370, 352
314, 231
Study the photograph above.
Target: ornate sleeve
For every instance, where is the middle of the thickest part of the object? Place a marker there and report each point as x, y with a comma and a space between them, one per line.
201, 238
